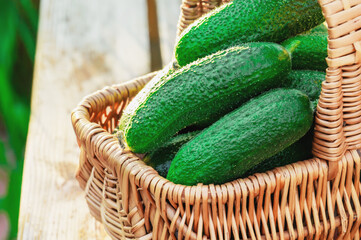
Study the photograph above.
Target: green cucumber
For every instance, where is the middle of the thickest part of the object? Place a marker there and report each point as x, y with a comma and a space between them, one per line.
243, 138
299, 151
308, 82
205, 89
311, 53
248, 21
322, 28
161, 158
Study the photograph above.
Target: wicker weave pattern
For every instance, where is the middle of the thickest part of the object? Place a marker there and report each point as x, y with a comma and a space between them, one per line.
339, 110
296, 201
130, 198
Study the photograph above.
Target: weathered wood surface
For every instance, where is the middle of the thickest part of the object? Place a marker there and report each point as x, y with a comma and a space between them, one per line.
83, 45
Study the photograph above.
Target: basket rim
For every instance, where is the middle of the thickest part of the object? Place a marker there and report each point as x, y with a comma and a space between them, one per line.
117, 158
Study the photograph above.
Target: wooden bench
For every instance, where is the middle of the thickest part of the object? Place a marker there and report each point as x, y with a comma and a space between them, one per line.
82, 46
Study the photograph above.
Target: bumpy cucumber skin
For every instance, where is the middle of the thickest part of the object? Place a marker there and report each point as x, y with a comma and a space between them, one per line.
249, 21
308, 82
322, 28
299, 151
161, 158
311, 53
243, 138
204, 89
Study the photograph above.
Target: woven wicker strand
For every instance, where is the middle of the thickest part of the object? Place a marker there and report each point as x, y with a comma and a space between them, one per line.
311, 199
209, 5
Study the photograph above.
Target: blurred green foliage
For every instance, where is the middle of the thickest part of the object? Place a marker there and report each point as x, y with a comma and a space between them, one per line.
19, 22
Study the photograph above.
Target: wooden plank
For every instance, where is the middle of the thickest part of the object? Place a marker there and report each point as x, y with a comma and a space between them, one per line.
168, 15
82, 46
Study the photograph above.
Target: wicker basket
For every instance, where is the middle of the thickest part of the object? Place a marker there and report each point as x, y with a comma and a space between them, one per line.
315, 198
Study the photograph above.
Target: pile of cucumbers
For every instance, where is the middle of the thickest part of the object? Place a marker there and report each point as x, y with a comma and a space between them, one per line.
241, 99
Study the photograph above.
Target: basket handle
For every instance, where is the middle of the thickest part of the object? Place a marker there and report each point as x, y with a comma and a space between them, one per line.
338, 116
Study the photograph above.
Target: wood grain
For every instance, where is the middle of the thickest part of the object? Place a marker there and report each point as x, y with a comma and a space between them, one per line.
82, 46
